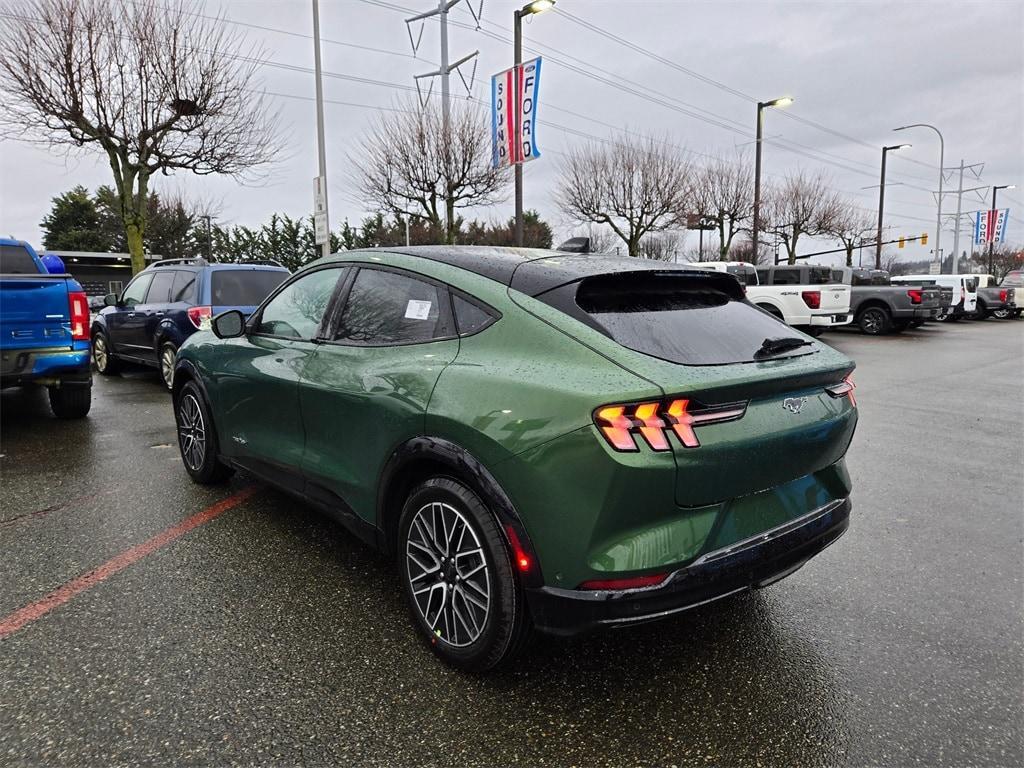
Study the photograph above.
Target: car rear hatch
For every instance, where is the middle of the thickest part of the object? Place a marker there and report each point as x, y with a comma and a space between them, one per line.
34, 312
242, 288
746, 404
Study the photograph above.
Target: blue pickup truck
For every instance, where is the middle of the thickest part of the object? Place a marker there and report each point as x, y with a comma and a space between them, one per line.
44, 330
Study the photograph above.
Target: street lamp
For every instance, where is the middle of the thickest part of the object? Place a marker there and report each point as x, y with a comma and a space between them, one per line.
530, 9
881, 202
783, 101
942, 163
991, 235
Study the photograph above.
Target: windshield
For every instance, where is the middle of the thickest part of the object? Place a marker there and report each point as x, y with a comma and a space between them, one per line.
243, 287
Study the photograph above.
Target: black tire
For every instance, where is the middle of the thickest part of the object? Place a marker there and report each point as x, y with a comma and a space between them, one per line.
473, 638
980, 312
874, 321
165, 361
199, 455
1002, 313
102, 356
70, 402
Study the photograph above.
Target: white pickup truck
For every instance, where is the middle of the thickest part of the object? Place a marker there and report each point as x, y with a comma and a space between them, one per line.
803, 296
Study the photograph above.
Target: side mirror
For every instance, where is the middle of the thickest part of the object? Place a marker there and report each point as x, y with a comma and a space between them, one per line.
110, 300
229, 325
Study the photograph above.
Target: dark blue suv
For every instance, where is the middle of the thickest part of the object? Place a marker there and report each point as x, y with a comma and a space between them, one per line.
169, 301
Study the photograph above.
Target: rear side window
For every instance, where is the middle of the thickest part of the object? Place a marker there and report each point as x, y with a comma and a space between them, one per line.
786, 276
135, 293
160, 288
16, 260
469, 317
184, 288
243, 287
390, 308
837, 276
676, 318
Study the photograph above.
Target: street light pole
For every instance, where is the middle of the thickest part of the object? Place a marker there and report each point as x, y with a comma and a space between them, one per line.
942, 165
992, 237
881, 203
530, 9
326, 246
761, 107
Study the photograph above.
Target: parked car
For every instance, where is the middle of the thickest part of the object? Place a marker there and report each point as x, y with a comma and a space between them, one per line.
880, 307
1014, 279
994, 300
44, 329
965, 292
802, 296
169, 301
539, 438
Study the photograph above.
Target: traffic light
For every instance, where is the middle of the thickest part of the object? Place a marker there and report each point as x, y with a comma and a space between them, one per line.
902, 242
924, 238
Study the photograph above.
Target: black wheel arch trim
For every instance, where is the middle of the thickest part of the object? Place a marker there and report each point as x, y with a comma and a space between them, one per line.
466, 468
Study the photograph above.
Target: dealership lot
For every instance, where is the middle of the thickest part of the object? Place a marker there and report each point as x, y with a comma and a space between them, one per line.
260, 632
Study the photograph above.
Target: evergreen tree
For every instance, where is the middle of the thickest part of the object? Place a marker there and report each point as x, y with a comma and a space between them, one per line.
73, 224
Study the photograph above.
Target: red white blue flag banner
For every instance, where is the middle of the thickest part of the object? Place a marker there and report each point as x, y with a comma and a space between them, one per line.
990, 226
514, 99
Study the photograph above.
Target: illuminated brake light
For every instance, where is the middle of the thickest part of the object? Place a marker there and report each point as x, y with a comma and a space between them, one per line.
1002, 296
200, 316
812, 299
633, 582
844, 389
620, 424
78, 305
915, 295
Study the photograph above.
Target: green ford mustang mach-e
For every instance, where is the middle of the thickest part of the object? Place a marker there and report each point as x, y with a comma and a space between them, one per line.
542, 440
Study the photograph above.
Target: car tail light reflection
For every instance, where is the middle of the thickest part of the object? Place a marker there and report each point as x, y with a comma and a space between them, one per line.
811, 298
200, 316
633, 582
78, 306
652, 422
915, 295
844, 389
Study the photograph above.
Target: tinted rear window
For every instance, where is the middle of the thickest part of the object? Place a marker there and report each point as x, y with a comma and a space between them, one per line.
674, 317
819, 275
16, 260
243, 287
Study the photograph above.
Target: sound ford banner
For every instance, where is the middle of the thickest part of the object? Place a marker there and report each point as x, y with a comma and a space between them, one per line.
507, 107
990, 226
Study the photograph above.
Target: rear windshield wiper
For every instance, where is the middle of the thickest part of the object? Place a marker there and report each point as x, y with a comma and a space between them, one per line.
770, 347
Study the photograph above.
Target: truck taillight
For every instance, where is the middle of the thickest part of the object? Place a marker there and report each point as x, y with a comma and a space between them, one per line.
1002, 296
78, 304
811, 298
915, 295
653, 421
200, 316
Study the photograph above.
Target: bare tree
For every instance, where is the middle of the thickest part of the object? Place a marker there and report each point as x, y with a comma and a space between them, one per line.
636, 187
851, 226
801, 205
663, 246
153, 86
724, 193
409, 166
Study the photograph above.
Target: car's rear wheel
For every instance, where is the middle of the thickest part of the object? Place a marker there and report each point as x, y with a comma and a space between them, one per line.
70, 402
980, 312
197, 439
1002, 313
102, 357
874, 321
458, 577
168, 355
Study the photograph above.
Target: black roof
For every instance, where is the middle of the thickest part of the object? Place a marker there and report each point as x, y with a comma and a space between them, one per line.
533, 270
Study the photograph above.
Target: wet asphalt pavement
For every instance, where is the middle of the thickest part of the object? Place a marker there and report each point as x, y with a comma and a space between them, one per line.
268, 635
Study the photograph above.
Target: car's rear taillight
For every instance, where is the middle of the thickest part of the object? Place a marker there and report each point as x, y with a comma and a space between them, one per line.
915, 295
633, 582
200, 316
963, 294
844, 389
78, 305
653, 421
811, 298
1002, 295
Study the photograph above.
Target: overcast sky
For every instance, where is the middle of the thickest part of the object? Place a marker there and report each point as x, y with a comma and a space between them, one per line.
856, 69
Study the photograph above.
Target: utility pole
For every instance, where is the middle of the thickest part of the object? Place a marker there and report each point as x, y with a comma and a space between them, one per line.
975, 170
325, 223
209, 237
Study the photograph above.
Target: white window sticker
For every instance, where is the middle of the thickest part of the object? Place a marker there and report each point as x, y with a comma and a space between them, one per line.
417, 310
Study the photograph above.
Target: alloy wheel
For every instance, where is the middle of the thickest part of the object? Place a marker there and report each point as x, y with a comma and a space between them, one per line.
191, 432
448, 574
99, 353
871, 322
167, 357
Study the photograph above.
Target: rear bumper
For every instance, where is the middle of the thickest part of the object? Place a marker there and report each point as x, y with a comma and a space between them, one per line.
749, 564
829, 321
45, 366
916, 313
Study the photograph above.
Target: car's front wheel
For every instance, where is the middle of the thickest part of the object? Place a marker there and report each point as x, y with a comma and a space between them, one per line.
197, 440
458, 577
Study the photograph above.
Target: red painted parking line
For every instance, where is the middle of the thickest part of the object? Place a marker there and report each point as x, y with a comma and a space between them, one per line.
15, 621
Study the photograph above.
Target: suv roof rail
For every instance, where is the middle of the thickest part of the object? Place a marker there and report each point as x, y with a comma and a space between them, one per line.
198, 260
259, 262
